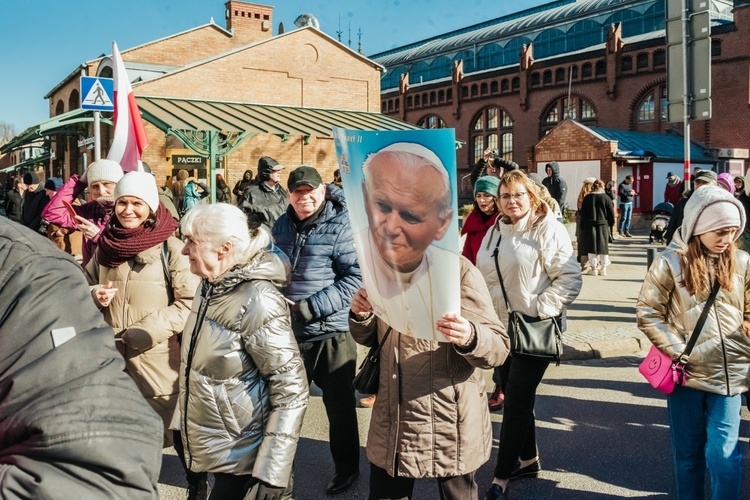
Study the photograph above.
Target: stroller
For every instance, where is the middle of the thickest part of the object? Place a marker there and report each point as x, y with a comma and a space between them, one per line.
662, 213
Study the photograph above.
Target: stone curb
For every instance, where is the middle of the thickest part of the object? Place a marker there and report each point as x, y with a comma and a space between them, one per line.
579, 351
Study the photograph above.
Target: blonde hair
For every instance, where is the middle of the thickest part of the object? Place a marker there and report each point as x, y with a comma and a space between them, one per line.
695, 268
585, 189
514, 179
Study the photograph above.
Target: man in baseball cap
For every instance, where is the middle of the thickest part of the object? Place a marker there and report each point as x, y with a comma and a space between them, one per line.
266, 200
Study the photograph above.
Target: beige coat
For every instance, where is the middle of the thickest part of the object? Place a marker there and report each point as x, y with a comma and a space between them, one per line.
431, 409
142, 317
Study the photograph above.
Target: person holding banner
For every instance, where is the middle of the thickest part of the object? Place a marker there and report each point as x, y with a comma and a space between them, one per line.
431, 418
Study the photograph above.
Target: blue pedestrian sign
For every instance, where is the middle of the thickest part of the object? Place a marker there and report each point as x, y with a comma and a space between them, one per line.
97, 93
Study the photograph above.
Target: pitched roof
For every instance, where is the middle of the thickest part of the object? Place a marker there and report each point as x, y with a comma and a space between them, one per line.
661, 146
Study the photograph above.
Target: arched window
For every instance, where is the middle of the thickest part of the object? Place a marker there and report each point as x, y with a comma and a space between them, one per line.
433, 98
449, 95
646, 109
559, 75
490, 56
391, 78
504, 85
441, 96
578, 109
549, 43
74, 101
600, 68
512, 50
660, 58
484, 89
474, 90
586, 70
642, 61
574, 73
632, 23
431, 121
626, 64
419, 73
584, 34
492, 128
464, 92
653, 18
547, 77
493, 87
535, 79
467, 56
441, 67
516, 83
417, 98
651, 111
409, 102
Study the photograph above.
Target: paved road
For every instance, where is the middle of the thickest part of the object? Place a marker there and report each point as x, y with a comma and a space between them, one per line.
602, 434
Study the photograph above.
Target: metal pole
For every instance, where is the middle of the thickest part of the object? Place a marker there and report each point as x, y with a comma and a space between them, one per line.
686, 90
213, 146
97, 137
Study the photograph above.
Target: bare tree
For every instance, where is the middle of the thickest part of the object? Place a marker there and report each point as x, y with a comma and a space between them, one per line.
7, 132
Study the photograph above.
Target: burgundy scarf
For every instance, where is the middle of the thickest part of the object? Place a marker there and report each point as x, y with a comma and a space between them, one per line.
118, 244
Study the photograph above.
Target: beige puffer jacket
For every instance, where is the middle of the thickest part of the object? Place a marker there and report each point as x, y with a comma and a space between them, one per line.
431, 410
141, 315
243, 387
667, 313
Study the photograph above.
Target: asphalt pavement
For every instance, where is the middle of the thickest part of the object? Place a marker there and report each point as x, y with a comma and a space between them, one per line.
602, 430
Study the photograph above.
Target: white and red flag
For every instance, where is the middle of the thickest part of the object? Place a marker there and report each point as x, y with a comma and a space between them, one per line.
130, 136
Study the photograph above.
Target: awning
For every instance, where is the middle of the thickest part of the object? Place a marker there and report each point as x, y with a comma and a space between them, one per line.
170, 114
60, 124
26, 163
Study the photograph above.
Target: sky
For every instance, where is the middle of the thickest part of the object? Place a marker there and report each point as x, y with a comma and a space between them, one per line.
43, 41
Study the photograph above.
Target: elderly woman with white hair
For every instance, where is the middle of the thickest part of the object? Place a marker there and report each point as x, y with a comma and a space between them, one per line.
243, 387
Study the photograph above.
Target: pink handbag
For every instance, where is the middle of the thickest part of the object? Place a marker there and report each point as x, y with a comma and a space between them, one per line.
660, 371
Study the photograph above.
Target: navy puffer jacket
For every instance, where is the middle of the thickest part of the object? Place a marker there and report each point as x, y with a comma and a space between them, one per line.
325, 270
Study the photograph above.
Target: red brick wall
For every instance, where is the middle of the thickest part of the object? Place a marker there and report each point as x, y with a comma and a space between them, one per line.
618, 109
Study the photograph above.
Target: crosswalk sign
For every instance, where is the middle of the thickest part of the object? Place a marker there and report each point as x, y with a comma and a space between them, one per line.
97, 93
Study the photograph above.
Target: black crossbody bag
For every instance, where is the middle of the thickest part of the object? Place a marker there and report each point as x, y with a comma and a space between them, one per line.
529, 336
368, 378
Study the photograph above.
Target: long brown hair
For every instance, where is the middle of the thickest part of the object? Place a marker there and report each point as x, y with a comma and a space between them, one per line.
696, 274
585, 189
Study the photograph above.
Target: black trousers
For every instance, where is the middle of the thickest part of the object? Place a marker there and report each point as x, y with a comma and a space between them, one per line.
521, 376
194, 479
383, 486
331, 364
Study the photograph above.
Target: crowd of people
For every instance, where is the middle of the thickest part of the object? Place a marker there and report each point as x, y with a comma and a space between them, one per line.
224, 314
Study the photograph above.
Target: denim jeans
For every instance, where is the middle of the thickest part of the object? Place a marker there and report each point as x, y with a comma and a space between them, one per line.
626, 211
705, 429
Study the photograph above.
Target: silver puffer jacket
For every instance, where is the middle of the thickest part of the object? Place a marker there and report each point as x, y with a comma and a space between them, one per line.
243, 388
667, 314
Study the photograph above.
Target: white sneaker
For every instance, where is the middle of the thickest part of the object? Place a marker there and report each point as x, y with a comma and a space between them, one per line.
603, 271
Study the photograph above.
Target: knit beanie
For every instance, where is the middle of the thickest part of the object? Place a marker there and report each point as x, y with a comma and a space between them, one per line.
30, 178
141, 185
104, 170
726, 180
487, 184
717, 216
710, 208
53, 184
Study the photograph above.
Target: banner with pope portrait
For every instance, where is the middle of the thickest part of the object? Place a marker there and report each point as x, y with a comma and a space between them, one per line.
400, 189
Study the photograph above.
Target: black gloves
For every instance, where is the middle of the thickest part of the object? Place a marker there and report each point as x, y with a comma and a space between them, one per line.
268, 492
301, 312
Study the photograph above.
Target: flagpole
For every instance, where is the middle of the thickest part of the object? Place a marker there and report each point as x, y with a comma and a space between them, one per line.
97, 137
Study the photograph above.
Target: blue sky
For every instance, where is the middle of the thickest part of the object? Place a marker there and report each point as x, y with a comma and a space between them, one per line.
42, 41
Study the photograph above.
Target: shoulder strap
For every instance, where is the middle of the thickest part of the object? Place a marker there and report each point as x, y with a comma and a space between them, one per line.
165, 266
499, 274
701, 321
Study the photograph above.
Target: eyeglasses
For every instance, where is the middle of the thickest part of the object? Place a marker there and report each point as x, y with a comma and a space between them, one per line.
516, 196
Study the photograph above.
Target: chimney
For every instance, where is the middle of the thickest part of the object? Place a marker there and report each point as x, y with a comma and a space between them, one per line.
249, 22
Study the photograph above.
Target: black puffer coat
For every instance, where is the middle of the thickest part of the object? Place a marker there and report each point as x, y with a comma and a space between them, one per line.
325, 270
72, 423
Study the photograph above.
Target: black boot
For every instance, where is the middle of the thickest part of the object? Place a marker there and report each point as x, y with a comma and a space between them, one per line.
198, 491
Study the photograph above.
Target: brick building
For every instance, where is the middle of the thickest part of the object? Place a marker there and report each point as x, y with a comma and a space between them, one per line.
508, 82
258, 94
